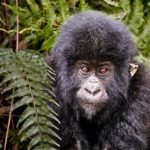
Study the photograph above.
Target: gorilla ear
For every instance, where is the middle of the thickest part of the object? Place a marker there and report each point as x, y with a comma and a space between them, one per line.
133, 69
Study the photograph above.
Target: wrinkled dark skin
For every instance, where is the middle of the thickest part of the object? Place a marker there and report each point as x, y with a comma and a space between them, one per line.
104, 95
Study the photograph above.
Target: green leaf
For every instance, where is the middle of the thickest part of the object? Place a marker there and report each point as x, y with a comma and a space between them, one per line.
34, 8
137, 14
38, 140
24, 101
24, 75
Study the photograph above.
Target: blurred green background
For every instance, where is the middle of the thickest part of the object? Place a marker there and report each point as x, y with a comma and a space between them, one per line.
40, 20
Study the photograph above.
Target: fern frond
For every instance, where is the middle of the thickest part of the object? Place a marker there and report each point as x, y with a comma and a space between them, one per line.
34, 7
144, 38
137, 14
126, 7
25, 73
83, 5
64, 9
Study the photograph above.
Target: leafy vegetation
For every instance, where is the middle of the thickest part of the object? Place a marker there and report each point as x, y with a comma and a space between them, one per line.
27, 121
40, 20
23, 76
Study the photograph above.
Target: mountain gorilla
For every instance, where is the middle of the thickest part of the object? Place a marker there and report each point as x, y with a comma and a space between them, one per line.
104, 94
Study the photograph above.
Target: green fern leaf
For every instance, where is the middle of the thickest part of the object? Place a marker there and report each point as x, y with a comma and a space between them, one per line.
45, 146
144, 38
25, 73
137, 14
64, 9
34, 8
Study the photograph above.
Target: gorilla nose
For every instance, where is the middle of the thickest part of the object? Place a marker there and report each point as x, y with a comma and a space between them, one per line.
92, 91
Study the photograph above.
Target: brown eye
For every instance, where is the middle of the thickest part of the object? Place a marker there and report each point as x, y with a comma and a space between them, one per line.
103, 71
85, 69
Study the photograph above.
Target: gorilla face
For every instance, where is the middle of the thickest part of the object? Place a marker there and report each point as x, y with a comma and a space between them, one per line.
94, 77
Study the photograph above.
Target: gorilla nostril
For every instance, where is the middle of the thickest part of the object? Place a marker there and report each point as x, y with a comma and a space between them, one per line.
96, 92
88, 91
92, 92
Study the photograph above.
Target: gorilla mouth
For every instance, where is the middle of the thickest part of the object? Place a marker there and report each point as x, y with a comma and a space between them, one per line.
89, 99
91, 108
95, 103
91, 104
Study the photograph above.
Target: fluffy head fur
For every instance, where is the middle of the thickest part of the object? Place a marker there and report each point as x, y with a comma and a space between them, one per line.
88, 32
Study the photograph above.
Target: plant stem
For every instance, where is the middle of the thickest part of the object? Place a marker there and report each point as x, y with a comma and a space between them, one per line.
17, 28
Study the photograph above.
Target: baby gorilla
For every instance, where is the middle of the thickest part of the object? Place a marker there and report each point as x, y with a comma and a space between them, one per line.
104, 94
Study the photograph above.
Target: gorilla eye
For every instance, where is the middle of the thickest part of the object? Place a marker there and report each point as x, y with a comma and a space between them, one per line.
104, 70
85, 69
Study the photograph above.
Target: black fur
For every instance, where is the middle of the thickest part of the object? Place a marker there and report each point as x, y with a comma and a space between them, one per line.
124, 123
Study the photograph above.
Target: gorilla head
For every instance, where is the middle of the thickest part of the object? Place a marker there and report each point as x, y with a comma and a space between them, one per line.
94, 55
